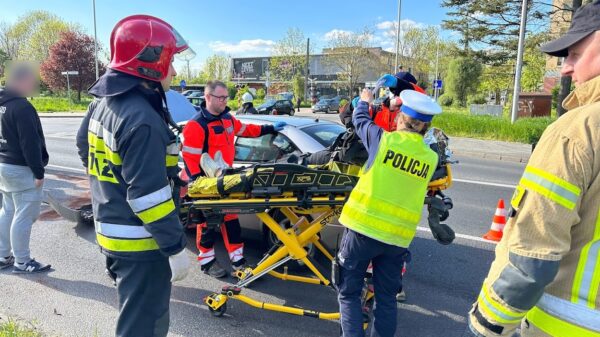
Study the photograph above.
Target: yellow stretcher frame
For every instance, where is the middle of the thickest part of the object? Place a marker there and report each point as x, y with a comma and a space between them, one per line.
293, 242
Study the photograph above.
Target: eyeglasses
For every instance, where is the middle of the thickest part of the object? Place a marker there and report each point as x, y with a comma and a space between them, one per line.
220, 98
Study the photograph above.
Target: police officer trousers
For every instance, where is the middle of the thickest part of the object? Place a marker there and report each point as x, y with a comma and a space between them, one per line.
144, 291
356, 251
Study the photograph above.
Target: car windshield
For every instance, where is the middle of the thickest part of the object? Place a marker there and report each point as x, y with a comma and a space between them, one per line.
269, 102
325, 134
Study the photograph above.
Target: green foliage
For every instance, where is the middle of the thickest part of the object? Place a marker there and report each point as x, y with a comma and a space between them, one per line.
59, 104
478, 99
445, 100
298, 86
242, 90
217, 67
231, 90
463, 79
14, 329
261, 93
555, 91
289, 56
458, 123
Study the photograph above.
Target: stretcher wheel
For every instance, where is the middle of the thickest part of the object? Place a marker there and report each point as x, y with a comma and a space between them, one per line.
219, 311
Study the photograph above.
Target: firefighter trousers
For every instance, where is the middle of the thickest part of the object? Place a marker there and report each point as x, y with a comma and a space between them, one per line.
144, 291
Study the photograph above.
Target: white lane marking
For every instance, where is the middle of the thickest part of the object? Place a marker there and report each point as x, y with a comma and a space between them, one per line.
462, 236
72, 169
477, 182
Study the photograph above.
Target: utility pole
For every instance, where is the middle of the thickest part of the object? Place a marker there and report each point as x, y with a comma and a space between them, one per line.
565, 81
519, 66
437, 60
307, 72
95, 40
398, 37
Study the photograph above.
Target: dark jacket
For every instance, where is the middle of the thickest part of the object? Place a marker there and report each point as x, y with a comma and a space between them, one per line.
131, 151
81, 140
247, 109
21, 135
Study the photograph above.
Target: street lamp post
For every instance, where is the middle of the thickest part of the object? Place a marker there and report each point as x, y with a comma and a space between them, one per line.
398, 36
95, 41
515, 102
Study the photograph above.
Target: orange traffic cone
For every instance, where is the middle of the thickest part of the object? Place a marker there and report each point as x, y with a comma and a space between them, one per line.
495, 232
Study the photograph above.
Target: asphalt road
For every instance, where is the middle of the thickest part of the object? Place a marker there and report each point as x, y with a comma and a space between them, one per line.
76, 299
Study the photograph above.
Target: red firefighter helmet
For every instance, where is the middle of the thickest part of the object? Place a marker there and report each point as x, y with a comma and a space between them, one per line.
144, 46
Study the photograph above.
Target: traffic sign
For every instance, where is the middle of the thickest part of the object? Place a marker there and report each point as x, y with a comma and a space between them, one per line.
182, 84
71, 72
437, 84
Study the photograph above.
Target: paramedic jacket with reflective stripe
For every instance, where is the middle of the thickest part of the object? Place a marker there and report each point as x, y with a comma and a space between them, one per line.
547, 265
131, 155
221, 130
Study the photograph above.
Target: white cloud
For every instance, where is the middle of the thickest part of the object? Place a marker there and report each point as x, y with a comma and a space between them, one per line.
256, 46
334, 33
390, 25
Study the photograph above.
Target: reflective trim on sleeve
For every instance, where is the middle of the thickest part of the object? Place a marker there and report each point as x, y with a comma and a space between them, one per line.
561, 318
497, 311
587, 274
126, 245
551, 187
150, 200
158, 212
173, 149
171, 161
192, 150
242, 129
122, 231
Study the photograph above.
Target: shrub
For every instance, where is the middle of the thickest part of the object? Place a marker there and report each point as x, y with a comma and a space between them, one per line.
445, 100
478, 99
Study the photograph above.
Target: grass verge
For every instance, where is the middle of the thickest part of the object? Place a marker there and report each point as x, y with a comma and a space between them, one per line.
457, 122
11, 328
59, 104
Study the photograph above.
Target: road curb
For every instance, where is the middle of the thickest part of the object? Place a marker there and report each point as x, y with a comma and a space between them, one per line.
496, 156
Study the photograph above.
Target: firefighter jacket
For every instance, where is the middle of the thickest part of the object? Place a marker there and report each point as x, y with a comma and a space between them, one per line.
547, 268
132, 154
209, 133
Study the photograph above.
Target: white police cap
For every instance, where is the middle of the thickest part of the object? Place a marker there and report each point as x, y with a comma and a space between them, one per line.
419, 106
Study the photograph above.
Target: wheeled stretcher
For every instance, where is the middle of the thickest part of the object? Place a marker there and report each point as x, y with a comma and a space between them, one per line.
299, 193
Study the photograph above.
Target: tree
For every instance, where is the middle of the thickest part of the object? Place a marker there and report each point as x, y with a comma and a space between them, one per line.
463, 79
298, 86
489, 29
74, 51
31, 37
419, 48
217, 67
3, 59
349, 55
534, 63
289, 56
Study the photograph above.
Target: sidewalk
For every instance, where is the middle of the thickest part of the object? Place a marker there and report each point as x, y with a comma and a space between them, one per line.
491, 149
61, 114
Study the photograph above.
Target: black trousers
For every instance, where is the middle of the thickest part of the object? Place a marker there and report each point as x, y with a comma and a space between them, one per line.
144, 291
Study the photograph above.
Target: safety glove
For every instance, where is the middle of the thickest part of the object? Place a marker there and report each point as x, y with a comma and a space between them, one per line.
441, 232
279, 126
180, 265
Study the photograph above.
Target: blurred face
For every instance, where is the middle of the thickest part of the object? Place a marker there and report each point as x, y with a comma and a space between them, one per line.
216, 100
166, 82
583, 62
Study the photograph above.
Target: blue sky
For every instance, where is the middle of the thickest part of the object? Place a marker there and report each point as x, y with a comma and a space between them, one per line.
238, 28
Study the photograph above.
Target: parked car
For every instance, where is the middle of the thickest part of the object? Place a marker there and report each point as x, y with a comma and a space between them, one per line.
196, 100
196, 93
324, 105
281, 106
